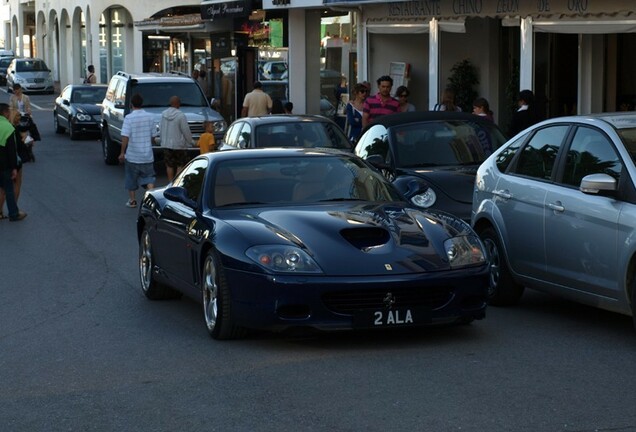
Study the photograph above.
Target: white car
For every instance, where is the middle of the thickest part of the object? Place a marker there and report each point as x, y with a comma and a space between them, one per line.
31, 73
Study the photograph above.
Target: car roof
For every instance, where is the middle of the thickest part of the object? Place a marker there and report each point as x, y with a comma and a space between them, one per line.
275, 153
285, 118
617, 120
156, 76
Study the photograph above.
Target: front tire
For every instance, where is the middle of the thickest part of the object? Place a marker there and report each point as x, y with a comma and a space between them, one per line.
150, 287
111, 153
503, 290
56, 125
217, 309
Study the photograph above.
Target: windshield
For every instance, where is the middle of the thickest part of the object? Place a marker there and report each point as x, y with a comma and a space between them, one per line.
441, 143
301, 134
30, 66
294, 180
158, 94
88, 95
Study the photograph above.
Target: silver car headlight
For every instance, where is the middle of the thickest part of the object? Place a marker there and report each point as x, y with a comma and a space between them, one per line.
219, 126
426, 199
280, 258
464, 251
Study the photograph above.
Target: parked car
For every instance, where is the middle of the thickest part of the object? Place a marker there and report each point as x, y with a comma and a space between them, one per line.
156, 90
280, 238
556, 207
437, 152
4, 64
78, 109
31, 73
285, 131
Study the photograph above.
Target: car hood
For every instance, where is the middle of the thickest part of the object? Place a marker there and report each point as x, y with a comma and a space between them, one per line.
193, 114
351, 239
92, 109
456, 182
33, 74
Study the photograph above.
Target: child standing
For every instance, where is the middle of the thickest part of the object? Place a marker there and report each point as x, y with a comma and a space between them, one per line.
206, 142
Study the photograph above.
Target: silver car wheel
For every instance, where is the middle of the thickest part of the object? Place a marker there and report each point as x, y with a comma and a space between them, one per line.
145, 261
210, 293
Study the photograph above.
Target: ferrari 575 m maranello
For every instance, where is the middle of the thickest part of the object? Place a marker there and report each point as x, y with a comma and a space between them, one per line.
282, 238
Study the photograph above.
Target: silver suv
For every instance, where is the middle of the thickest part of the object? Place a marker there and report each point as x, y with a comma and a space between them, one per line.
156, 90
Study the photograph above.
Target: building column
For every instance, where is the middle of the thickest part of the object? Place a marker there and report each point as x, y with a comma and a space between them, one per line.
361, 47
591, 73
526, 61
433, 63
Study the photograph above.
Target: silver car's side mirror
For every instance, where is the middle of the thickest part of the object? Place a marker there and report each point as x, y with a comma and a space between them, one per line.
595, 183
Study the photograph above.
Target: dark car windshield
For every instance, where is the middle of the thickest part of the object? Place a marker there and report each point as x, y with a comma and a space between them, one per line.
88, 95
443, 143
158, 94
301, 134
5, 62
292, 180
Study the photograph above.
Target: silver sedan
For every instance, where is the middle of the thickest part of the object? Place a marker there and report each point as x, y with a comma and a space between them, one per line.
556, 209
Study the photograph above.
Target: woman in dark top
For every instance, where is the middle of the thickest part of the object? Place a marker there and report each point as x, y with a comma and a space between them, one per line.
525, 116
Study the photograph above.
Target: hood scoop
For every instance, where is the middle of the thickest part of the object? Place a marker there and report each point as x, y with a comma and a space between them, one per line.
366, 238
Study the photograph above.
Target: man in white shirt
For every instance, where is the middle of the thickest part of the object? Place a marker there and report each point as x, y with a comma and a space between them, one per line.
137, 134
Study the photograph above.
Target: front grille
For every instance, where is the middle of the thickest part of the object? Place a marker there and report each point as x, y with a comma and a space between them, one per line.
347, 302
38, 80
196, 128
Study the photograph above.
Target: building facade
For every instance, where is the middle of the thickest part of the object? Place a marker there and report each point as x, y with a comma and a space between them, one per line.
574, 54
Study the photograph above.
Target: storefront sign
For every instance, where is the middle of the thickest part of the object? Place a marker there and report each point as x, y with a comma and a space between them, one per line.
214, 9
490, 8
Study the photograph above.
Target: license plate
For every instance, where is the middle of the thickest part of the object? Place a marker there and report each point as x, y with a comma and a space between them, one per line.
390, 318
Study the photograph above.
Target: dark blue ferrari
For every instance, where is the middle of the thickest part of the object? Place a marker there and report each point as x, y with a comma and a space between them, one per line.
281, 238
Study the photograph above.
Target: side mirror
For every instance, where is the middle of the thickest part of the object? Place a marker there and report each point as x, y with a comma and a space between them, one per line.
179, 194
65, 102
595, 183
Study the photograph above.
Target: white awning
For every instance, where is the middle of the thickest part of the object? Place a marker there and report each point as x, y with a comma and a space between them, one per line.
584, 27
455, 26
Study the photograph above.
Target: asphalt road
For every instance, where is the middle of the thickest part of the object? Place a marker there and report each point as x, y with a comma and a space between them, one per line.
81, 349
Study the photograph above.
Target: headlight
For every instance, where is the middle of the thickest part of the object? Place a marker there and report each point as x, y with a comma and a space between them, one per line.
426, 199
220, 126
464, 251
19, 80
279, 258
83, 117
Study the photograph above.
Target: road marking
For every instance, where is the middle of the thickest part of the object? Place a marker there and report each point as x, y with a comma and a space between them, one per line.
38, 107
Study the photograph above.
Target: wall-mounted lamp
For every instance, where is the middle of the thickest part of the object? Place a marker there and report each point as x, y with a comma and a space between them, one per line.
233, 52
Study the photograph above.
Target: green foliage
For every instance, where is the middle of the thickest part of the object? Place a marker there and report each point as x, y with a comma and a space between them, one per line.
463, 79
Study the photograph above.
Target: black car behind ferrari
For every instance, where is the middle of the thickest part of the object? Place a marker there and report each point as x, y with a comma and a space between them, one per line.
437, 152
78, 109
280, 238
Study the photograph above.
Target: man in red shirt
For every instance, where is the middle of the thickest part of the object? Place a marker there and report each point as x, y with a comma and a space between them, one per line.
380, 104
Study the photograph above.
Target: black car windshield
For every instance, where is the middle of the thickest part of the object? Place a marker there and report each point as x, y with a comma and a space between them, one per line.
158, 94
444, 143
309, 134
88, 95
298, 179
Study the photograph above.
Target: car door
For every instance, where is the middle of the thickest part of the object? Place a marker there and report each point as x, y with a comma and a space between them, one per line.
520, 195
177, 226
581, 229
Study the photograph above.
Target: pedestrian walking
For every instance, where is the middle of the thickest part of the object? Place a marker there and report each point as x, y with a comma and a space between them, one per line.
9, 165
207, 142
277, 106
355, 110
380, 104
176, 138
137, 134
525, 116
256, 102
448, 102
90, 77
402, 95
481, 107
288, 107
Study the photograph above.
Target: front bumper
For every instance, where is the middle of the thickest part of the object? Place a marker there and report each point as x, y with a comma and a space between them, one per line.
343, 303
